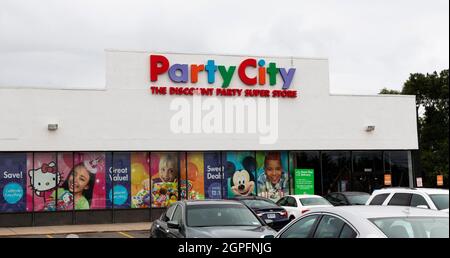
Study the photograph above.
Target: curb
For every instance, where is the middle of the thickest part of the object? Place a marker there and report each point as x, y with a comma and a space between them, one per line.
73, 229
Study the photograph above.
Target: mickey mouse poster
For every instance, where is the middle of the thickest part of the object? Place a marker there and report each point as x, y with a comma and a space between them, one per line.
240, 170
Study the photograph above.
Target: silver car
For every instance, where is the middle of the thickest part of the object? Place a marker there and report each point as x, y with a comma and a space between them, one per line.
368, 222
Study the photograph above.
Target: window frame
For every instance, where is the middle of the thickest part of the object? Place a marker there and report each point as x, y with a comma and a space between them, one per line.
171, 215
400, 193
316, 223
181, 214
344, 198
295, 203
384, 200
280, 201
313, 227
346, 222
322, 219
421, 196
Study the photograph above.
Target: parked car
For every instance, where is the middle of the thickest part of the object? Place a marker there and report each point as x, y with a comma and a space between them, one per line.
368, 222
347, 198
296, 205
267, 210
209, 219
429, 198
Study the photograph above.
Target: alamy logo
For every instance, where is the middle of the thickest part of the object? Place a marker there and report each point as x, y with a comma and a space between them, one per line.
196, 115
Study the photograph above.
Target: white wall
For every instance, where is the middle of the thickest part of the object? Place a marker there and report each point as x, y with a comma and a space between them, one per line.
125, 116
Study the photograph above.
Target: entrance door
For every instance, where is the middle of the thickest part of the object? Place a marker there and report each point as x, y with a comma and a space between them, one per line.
367, 171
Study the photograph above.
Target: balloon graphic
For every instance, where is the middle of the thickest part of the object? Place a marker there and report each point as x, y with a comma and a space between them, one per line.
138, 172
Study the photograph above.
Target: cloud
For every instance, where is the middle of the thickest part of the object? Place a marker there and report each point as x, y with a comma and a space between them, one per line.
370, 44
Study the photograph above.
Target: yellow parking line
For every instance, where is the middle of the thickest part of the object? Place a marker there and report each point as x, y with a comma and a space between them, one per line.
125, 234
49, 236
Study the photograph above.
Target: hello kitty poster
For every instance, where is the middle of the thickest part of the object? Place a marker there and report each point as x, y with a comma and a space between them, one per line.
46, 172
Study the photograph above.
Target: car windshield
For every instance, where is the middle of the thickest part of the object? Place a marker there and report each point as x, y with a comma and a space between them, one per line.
220, 215
358, 199
260, 204
314, 201
440, 200
407, 227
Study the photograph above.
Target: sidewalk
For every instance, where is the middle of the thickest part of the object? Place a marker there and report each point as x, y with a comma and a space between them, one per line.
74, 229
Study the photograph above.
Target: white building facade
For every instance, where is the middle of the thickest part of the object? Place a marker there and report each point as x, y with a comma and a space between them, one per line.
183, 126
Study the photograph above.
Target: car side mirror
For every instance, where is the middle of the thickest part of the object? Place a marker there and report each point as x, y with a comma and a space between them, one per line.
173, 224
422, 206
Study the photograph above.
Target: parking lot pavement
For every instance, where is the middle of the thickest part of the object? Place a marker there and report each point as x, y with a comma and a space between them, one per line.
120, 230
115, 234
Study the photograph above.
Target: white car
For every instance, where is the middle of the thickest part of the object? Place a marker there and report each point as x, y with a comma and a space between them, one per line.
428, 198
368, 222
296, 205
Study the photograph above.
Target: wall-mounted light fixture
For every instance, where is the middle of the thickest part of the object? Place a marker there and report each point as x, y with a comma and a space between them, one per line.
52, 127
370, 128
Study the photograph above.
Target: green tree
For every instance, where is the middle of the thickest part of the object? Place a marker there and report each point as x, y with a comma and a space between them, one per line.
432, 96
387, 91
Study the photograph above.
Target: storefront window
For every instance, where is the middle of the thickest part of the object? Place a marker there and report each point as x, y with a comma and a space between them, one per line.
305, 173
64, 198
140, 180
43, 179
368, 172
118, 182
396, 164
240, 174
63, 181
336, 169
192, 179
164, 170
90, 180
13, 181
213, 175
272, 174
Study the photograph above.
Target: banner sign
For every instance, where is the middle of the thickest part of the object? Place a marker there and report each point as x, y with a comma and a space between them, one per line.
251, 72
118, 167
213, 175
13, 182
304, 181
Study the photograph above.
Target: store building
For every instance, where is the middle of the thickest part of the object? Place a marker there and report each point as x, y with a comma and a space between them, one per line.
175, 126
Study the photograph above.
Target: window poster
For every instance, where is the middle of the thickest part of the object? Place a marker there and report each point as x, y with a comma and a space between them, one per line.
13, 180
140, 180
240, 168
165, 170
118, 186
272, 174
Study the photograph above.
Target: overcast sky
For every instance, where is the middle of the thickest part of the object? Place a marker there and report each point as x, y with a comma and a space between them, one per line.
370, 44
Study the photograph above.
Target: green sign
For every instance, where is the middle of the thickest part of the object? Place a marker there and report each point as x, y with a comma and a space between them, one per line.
304, 181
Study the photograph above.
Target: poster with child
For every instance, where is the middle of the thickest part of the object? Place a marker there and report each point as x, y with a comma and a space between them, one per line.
165, 171
272, 174
85, 184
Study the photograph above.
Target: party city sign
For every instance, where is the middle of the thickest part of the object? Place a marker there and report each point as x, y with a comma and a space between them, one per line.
258, 76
